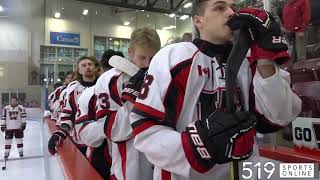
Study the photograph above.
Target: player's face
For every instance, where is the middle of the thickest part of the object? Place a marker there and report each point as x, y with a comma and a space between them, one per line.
141, 57
13, 102
212, 24
86, 68
68, 78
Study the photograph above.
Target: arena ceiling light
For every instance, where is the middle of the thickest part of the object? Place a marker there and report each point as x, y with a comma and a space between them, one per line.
184, 17
127, 23
85, 12
169, 27
187, 5
1, 8
172, 15
57, 15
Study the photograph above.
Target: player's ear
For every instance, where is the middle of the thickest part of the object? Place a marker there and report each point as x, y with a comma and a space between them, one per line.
197, 21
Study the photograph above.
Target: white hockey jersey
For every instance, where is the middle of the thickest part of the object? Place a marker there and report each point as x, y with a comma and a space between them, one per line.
85, 111
59, 104
50, 99
55, 104
131, 164
185, 83
69, 110
13, 117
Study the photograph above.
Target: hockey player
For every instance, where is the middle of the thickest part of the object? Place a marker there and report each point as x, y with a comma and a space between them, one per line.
13, 123
59, 97
98, 154
179, 118
86, 76
52, 99
113, 109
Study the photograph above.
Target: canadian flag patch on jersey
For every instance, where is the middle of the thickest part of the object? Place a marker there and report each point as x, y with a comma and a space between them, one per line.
203, 71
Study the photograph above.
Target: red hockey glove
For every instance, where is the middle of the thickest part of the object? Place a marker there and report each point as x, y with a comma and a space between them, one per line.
132, 89
56, 140
221, 138
267, 41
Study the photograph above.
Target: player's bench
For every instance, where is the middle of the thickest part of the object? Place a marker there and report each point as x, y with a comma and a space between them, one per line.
74, 165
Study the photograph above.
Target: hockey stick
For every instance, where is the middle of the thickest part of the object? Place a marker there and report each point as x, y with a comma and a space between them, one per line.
123, 65
234, 61
5, 164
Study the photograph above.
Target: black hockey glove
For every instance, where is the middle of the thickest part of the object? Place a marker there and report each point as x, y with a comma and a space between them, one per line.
132, 89
3, 127
23, 126
221, 138
56, 140
267, 40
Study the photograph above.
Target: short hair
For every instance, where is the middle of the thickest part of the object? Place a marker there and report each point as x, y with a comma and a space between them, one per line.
104, 62
119, 53
145, 37
69, 73
14, 97
95, 62
198, 7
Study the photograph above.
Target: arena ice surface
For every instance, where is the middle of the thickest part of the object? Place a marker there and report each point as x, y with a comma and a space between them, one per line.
36, 163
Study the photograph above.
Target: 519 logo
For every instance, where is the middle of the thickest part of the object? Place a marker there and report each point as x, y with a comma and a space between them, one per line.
259, 170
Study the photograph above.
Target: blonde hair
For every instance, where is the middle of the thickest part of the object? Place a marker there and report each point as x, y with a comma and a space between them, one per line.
146, 38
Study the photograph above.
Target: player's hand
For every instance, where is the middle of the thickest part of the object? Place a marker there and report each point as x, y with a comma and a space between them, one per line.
56, 141
3, 128
132, 89
221, 138
265, 32
23, 126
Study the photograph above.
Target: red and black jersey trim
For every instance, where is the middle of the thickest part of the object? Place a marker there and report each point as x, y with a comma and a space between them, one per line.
84, 119
114, 90
91, 107
142, 125
110, 118
152, 117
147, 111
73, 106
4, 114
174, 97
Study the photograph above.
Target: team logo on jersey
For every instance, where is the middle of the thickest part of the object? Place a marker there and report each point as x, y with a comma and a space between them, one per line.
13, 115
203, 71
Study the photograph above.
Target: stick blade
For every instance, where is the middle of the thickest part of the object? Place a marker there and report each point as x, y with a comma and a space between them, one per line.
123, 65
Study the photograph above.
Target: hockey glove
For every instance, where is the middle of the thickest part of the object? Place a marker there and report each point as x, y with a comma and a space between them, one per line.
221, 138
3, 128
56, 140
132, 89
267, 41
23, 126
